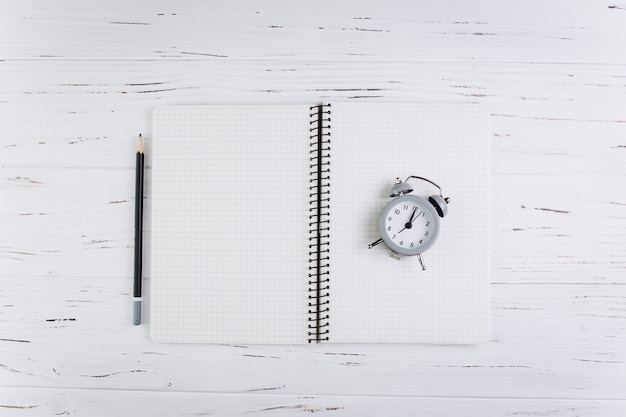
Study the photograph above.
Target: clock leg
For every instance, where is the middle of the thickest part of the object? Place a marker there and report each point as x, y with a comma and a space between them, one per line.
419, 256
371, 245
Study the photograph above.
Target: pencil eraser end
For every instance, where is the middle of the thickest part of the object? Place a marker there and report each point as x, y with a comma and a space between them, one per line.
137, 312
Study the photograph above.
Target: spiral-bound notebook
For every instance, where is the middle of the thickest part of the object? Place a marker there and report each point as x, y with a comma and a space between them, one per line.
262, 216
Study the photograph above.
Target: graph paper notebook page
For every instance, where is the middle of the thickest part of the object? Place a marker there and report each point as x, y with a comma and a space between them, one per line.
245, 197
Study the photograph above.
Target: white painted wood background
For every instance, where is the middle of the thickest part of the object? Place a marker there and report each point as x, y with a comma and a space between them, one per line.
78, 81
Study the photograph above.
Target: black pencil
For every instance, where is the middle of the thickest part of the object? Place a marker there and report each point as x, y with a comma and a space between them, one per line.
138, 232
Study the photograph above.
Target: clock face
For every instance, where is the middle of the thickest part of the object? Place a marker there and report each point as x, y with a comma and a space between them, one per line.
409, 225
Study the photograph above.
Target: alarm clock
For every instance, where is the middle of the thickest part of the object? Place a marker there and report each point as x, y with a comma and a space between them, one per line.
410, 224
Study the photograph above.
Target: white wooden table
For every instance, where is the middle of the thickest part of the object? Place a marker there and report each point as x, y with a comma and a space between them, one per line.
78, 81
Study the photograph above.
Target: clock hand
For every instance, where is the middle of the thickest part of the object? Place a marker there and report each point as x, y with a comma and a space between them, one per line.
409, 224
412, 216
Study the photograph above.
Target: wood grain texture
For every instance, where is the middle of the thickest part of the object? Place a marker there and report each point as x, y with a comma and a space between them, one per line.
558, 31
40, 402
78, 81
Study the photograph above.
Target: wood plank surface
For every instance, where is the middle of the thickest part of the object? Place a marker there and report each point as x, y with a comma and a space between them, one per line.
584, 31
78, 81
46, 402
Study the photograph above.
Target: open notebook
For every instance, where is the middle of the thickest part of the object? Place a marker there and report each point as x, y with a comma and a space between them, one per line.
234, 213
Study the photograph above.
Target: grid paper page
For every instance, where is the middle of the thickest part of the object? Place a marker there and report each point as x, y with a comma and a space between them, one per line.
379, 298
229, 225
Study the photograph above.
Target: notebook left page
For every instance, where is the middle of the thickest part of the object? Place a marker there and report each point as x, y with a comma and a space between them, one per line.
229, 224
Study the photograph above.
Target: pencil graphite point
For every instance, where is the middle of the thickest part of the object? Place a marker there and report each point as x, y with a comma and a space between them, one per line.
140, 144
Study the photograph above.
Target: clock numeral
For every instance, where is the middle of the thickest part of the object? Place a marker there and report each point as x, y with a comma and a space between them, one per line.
389, 228
401, 243
396, 211
389, 218
405, 207
411, 245
426, 233
427, 224
421, 240
394, 236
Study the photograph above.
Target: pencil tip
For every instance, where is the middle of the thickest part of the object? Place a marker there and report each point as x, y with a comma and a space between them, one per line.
140, 144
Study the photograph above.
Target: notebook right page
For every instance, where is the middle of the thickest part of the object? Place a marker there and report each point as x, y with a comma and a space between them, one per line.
376, 297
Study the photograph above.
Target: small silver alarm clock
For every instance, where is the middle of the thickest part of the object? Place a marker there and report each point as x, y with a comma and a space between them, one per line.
409, 225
